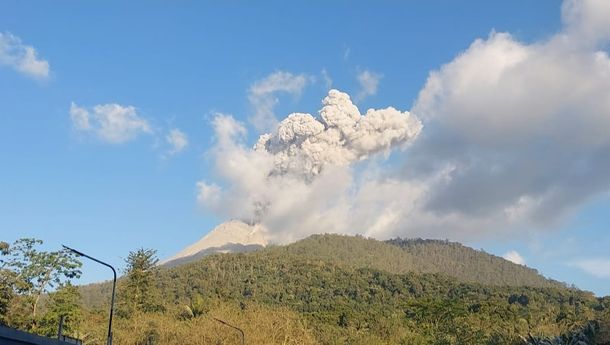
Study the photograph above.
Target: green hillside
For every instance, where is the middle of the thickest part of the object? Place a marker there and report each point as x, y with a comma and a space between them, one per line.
332, 289
422, 256
469, 265
395, 256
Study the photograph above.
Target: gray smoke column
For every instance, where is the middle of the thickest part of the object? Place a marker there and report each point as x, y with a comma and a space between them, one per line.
302, 171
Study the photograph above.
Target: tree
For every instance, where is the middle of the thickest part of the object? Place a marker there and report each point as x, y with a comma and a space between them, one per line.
29, 272
139, 292
5, 298
65, 302
6, 277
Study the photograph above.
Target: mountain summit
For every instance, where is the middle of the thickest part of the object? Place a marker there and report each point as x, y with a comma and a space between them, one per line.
229, 237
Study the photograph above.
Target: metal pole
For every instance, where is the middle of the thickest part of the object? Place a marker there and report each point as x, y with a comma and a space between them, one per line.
241, 332
109, 342
60, 329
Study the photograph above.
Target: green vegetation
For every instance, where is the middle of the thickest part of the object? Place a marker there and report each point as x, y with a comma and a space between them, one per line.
27, 274
65, 302
422, 256
469, 265
138, 294
330, 289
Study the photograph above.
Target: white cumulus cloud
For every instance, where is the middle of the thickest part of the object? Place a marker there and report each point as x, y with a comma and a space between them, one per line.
177, 140
523, 126
369, 83
263, 96
21, 57
112, 123
586, 21
597, 267
515, 257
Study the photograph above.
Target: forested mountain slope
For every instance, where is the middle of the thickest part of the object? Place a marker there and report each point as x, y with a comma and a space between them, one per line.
421, 256
394, 256
341, 289
346, 304
470, 265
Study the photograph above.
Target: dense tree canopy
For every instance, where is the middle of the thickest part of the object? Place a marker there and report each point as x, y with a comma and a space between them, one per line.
361, 291
330, 289
27, 274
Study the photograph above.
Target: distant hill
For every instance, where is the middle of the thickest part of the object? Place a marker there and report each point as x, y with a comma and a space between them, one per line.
470, 265
420, 256
395, 256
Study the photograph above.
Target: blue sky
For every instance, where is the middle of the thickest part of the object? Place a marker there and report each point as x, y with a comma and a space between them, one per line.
179, 65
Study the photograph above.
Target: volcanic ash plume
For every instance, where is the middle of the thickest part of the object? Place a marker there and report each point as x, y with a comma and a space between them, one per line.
303, 145
517, 141
304, 163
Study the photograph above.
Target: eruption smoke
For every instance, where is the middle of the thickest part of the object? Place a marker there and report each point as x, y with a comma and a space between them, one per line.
515, 139
306, 165
302, 145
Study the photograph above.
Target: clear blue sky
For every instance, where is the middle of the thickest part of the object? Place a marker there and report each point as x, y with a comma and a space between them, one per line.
178, 63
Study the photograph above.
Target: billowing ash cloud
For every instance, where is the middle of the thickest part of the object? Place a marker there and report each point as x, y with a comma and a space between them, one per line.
515, 137
303, 145
300, 178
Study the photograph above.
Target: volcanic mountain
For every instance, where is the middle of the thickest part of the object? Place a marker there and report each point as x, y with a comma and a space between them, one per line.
230, 237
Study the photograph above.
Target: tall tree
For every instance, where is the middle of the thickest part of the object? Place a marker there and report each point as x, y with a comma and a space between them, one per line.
140, 293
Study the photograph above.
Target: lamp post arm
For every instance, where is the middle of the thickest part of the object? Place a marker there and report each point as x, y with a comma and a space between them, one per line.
109, 341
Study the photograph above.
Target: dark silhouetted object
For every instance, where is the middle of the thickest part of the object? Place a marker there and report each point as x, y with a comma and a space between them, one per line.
113, 287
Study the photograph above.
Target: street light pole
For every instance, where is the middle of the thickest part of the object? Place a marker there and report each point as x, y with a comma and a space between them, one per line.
109, 342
